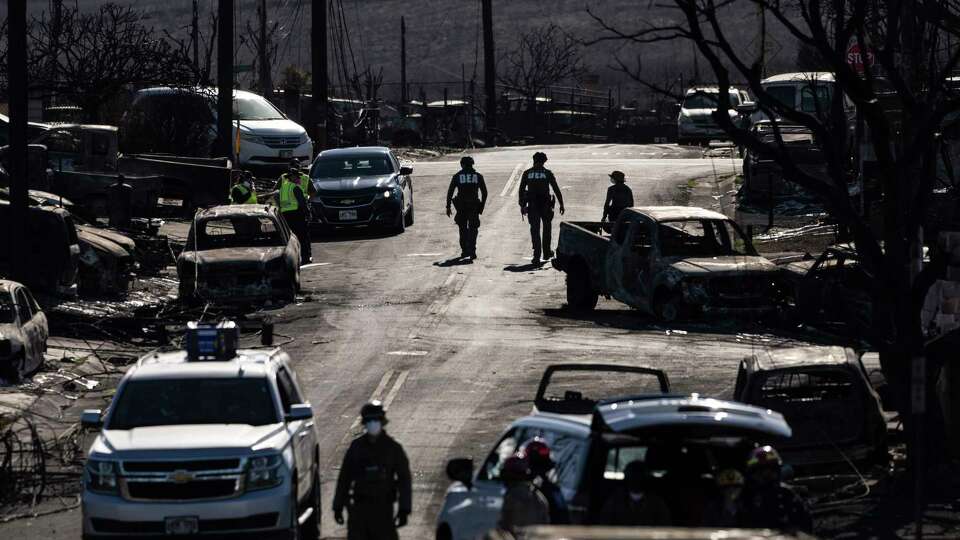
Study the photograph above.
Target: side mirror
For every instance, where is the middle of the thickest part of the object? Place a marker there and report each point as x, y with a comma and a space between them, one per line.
404, 171
91, 419
461, 470
677, 106
747, 107
299, 411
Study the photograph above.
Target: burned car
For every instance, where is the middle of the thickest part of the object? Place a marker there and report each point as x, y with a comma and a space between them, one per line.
239, 254
107, 261
23, 332
826, 397
669, 261
52, 253
836, 288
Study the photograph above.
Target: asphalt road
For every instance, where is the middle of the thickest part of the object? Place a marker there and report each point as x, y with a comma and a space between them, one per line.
455, 351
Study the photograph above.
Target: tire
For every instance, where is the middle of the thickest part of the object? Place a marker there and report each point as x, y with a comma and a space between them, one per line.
668, 306
401, 225
444, 532
408, 219
581, 297
311, 529
13, 372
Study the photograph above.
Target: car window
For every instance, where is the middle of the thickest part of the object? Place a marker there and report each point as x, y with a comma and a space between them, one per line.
8, 309
618, 458
345, 167
237, 231
568, 453
786, 95
100, 144
24, 307
642, 240
253, 107
507, 447
288, 391
700, 238
62, 141
170, 402
700, 100
815, 98
32, 301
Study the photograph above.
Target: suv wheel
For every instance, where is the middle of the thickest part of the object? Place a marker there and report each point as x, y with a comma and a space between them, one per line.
667, 306
310, 530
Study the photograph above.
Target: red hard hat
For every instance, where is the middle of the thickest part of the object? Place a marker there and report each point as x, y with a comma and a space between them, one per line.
537, 453
515, 468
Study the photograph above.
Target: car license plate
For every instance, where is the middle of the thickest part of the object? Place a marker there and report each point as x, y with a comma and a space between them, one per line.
286, 153
182, 525
348, 215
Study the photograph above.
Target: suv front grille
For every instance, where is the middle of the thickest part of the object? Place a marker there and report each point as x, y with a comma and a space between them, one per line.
182, 480
282, 142
256, 521
171, 491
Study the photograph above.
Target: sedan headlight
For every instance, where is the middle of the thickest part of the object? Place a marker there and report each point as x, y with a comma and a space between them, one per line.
101, 476
386, 194
250, 137
264, 472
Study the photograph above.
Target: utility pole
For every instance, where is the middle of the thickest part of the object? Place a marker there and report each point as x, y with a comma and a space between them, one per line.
318, 49
17, 66
225, 79
263, 56
195, 34
403, 66
489, 66
763, 40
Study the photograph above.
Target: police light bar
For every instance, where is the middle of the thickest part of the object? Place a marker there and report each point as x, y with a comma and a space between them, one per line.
214, 342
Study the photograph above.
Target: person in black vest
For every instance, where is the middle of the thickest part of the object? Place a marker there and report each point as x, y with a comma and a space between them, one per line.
467, 184
537, 204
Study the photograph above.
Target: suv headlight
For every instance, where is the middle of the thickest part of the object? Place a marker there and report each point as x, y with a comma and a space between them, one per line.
250, 137
304, 138
264, 472
101, 476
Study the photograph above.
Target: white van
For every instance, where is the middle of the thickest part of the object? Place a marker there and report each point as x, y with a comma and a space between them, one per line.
695, 124
182, 121
809, 92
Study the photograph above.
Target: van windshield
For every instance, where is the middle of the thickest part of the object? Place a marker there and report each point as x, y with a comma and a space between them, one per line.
254, 108
708, 100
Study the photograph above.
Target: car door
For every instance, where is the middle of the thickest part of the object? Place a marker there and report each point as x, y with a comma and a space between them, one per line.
475, 511
405, 183
300, 432
629, 260
32, 350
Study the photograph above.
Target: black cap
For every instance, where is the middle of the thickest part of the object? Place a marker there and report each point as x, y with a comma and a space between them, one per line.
373, 411
618, 175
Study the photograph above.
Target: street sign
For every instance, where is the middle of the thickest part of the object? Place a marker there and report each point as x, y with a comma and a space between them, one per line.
860, 60
241, 68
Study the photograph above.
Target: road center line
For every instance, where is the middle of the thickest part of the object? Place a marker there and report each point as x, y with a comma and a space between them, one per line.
376, 393
396, 389
513, 176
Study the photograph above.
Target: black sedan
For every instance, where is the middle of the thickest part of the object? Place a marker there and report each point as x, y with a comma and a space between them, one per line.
362, 186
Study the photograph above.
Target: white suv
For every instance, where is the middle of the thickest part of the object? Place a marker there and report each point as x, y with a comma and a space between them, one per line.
210, 440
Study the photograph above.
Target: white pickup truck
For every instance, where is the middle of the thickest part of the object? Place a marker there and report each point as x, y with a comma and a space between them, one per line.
207, 441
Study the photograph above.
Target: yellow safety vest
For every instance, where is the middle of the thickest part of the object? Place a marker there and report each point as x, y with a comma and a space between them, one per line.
250, 196
288, 201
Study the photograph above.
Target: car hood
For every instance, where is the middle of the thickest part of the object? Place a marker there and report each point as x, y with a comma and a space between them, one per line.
719, 266
141, 442
354, 183
240, 256
119, 239
272, 128
101, 244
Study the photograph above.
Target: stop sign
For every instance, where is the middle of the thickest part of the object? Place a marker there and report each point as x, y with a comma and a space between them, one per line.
859, 60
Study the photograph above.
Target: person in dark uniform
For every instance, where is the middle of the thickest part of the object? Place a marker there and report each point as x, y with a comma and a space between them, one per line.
633, 504
619, 196
537, 454
467, 183
767, 503
537, 204
374, 475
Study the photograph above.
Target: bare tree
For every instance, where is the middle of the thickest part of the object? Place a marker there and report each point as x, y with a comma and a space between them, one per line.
201, 47
544, 57
262, 42
902, 113
102, 53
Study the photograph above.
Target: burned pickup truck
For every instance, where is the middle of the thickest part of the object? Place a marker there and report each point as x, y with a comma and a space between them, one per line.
239, 254
670, 261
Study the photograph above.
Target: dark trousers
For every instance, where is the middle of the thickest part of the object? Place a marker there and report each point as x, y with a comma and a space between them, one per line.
371, 521
297, 220
541, 220
469, 224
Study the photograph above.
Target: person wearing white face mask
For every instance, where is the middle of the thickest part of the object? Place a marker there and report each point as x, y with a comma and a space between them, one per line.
374, 475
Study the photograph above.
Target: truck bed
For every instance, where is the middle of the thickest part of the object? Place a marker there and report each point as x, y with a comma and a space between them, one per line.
584, 242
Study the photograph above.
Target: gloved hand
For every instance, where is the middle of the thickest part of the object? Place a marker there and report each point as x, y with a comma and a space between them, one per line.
401, 519
523, 210
449, 212
338, 516
561, 209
